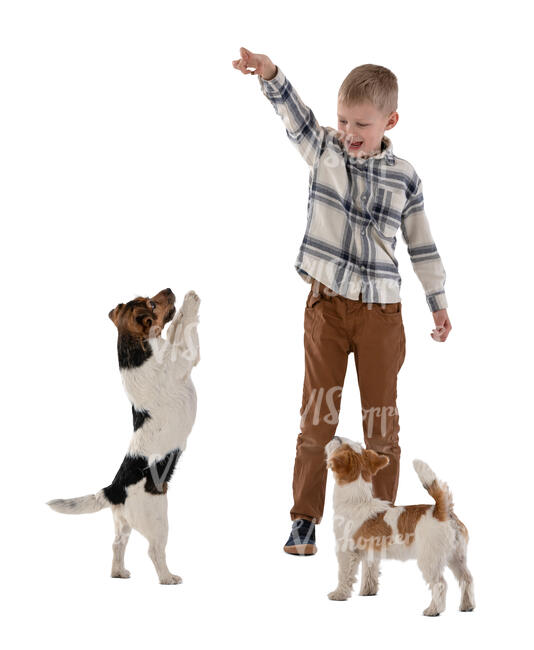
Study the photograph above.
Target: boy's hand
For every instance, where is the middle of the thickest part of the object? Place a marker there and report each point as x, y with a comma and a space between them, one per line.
443, 325
262, 64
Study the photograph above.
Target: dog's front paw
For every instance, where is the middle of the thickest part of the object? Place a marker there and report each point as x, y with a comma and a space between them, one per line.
369, 592
431, 610
171, 580
338, 594
120, 573
191, 304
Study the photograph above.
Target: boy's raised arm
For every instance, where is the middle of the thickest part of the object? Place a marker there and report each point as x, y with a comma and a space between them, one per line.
301, 126
422, 249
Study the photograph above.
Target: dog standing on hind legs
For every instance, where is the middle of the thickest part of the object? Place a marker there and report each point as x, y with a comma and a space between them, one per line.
156, 374
368, 529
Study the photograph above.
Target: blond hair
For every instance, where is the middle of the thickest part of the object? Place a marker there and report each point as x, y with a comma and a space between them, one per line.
370, 83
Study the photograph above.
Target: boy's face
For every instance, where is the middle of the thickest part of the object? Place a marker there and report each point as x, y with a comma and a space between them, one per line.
362, 127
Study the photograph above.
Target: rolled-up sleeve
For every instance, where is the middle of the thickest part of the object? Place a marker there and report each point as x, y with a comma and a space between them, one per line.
422, 250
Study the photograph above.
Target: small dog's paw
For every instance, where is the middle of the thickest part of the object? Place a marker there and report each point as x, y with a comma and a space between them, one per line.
120, 573
192, 296
191, 303
431, 611
338, 594
368, 592
467, 608
171, 580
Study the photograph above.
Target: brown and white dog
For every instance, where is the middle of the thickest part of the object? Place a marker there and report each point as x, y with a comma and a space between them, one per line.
156, 374
369, 529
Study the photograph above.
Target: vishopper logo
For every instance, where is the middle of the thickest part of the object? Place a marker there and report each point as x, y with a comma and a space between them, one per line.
190, 338
317, 395
374, 546
344, 529
184, 345
382, 412
159, 470
321, 396
302, 531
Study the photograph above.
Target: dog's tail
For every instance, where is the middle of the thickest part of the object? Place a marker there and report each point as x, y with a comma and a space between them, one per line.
437, 489
81, 505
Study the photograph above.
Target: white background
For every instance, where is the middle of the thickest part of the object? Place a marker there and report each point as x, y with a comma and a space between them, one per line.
134, 157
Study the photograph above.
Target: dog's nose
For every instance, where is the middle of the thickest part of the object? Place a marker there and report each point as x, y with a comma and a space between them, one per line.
167, 291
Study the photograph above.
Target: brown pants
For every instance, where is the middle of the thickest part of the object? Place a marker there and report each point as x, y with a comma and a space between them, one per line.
334, 327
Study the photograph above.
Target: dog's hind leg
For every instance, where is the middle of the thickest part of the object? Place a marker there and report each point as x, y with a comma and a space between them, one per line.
348, 562
370, 573
122, 534
156, 552
148, 514
458, 565
432, 570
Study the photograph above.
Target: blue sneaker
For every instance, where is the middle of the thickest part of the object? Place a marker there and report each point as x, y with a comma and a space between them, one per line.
302, 538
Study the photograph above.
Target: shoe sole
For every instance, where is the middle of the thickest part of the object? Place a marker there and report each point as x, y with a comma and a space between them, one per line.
301, 549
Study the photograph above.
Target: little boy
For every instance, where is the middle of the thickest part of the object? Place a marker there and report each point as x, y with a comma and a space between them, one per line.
359, 195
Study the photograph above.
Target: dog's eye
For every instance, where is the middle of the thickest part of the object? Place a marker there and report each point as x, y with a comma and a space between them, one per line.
152, 304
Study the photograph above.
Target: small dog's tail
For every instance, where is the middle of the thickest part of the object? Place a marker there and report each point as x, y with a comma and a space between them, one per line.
437, 489
80, 505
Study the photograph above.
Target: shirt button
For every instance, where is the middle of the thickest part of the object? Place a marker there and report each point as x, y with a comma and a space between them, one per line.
362, 267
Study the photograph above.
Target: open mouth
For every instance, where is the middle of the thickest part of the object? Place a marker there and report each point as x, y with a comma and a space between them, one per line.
356, 145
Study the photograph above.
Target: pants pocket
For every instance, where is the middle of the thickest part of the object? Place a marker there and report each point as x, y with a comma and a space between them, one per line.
403, 347
313, 299
311, 316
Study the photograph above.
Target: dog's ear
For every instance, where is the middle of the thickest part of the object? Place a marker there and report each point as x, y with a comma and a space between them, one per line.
375, 462
150, 328
144, 320
336, 461
344, 463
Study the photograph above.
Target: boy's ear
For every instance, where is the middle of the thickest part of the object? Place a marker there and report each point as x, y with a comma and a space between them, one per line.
375, 462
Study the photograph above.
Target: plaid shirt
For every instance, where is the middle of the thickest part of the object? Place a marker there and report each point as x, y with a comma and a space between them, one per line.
355, 208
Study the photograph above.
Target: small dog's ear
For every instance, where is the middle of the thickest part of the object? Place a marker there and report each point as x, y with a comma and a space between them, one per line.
144, 321
333, 464
150, 328
344, 463
337, 460
375, 461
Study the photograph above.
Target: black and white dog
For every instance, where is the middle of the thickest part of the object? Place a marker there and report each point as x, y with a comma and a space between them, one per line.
156, 374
